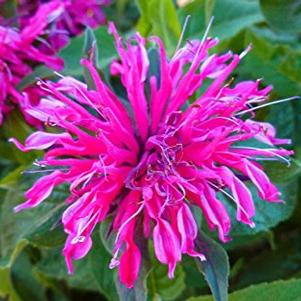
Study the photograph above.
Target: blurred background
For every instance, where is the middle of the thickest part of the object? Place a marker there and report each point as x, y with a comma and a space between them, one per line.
31, 265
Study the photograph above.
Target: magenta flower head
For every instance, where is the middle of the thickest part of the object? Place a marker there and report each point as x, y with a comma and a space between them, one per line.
147, 158
18, 55
72, 17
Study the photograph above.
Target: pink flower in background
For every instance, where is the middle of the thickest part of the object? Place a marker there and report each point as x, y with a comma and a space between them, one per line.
72, 18
147, 158
18, 56
45, 27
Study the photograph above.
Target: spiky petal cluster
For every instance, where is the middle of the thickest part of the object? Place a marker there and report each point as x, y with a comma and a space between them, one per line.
72, 18
143, 159
18, 56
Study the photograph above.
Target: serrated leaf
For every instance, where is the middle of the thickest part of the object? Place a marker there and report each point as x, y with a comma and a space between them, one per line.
289, 290
216, 266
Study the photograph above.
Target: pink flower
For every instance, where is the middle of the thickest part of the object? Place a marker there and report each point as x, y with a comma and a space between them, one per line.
70, 17
147, 158
18, 55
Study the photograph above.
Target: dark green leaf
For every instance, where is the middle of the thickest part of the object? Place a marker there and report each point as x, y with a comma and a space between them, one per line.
280, 173
7, 289
38, 225
268, 214
9, 10
73, 53
160, 287
25, 283
38, 72
216, 266
99, 260
279, 290
15, 126
278, 64
137, 293
90, 52
283, 15
282, 262
53, 265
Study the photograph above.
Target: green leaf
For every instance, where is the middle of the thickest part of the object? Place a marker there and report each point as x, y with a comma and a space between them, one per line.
38, 72
216, 266
53, 265
282, 15
12, 177
165, 22
144, 25
99, 260
137, 293
260, 267
7, 289
230, 17
154, 20
199, 12
73, 53
90, 46
279, 290
268, 214
90, 51
15, 126
278, 64
25, 282
9, 10
37, 225
160, 287
280, 173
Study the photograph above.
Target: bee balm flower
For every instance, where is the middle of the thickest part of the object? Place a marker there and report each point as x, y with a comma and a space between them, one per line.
18, 56
146, 158
72, 18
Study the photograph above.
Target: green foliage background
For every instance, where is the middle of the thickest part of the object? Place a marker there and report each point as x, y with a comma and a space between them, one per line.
259, 264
